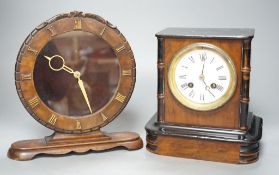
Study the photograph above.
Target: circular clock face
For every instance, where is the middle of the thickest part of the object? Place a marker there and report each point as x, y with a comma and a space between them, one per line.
86, 54
75, 73
202, 77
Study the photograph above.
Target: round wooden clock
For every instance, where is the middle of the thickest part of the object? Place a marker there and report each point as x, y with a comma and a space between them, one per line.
74, 74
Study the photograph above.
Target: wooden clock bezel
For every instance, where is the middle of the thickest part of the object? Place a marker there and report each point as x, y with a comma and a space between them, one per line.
39, 37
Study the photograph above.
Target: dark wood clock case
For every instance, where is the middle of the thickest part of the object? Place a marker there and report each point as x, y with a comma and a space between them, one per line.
74, 134
229, 133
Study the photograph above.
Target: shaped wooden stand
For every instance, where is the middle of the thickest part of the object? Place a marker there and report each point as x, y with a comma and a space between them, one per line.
58, 144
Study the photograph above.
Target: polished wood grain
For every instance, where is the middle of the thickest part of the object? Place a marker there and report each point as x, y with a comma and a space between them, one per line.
175, 112
198, 149
59, 144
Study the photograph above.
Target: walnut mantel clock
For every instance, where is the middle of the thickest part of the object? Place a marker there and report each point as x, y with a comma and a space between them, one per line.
203, 96
74, 74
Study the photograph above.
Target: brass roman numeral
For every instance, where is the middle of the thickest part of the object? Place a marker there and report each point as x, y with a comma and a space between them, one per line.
33, 51
103, 31
121, 48
51, 31
33, 102
127, 72
52, 119
120, 97
26, 76
77, 24
104, 116
78, 124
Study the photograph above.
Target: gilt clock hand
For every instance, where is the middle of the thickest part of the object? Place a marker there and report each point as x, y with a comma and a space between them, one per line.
81, 86
64, 67
76, 74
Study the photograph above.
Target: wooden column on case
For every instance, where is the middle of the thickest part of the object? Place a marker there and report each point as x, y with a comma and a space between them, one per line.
160, 91
245, 81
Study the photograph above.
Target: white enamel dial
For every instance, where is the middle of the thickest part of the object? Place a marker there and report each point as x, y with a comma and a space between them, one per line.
202, 76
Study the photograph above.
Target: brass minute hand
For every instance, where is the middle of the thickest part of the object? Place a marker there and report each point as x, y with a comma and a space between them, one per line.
76, 74
81, 86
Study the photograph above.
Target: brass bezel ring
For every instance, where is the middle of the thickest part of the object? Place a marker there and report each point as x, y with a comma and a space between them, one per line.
202, 106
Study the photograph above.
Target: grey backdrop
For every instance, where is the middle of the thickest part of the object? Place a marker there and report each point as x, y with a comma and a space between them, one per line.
139, 21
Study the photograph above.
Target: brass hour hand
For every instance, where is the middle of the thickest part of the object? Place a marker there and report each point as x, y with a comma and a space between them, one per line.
76, 74
63, 66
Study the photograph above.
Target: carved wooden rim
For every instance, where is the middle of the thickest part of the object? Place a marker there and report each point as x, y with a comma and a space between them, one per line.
39, 37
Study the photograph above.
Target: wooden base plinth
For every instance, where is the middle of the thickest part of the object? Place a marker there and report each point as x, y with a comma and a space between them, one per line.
59, 144
197, 149
213, 144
